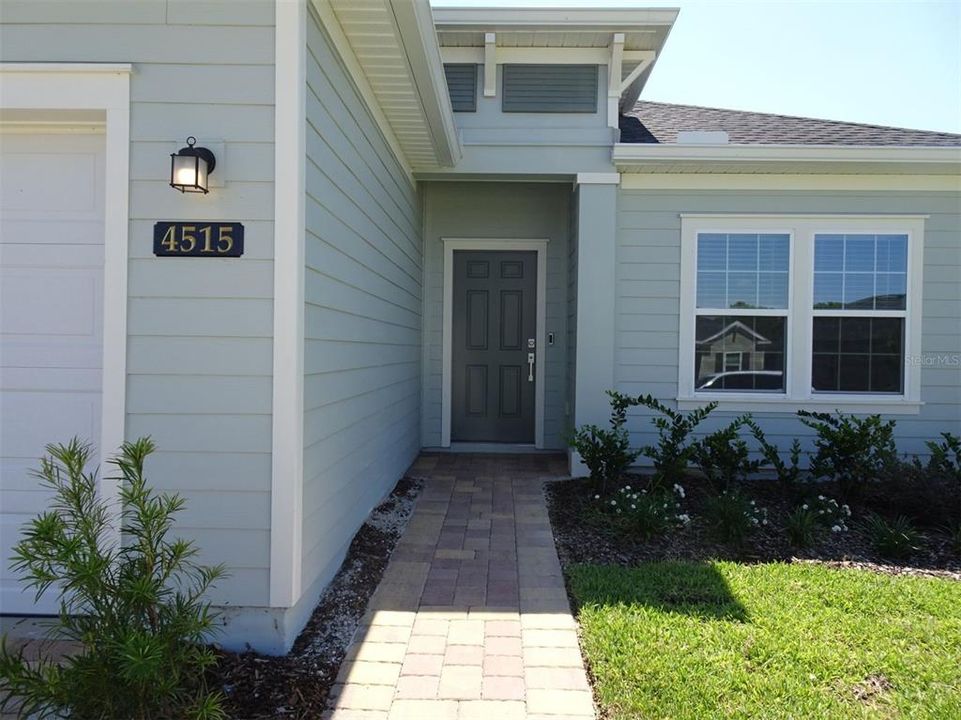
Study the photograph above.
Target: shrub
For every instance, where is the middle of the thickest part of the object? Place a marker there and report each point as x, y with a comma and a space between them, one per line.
732, 516
135, 610
924, 493
854, 451
814, 516
896, 540
724, 457
946, 456
788, 473
606, 453
673, 452
646, 514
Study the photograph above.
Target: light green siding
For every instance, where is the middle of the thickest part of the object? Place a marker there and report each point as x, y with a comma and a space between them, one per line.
362, 315
199, 345
498, 210
648, 292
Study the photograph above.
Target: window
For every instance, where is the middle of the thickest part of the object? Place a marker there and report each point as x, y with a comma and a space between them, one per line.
741, 311
550, 88
462, 86
801, 310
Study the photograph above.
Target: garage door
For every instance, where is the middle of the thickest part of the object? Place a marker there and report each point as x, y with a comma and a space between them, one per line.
51, 318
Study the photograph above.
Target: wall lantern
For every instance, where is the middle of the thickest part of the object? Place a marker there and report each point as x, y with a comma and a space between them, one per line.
190, 166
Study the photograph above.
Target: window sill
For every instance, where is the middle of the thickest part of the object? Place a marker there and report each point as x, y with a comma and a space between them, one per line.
842, 403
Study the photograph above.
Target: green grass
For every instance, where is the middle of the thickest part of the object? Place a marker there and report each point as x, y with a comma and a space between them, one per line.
724, 640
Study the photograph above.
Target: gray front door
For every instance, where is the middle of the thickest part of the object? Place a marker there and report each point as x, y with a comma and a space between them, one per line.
494, 319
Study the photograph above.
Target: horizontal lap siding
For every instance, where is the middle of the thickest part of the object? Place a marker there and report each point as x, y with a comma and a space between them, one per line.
200, 331
648, 291
362, 314
499, 210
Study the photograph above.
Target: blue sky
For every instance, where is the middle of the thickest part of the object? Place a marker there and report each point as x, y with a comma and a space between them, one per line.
883, 62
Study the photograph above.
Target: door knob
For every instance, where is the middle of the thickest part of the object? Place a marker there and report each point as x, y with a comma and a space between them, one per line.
530, 367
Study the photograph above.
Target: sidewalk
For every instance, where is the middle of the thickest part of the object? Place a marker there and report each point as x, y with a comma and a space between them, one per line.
471, 619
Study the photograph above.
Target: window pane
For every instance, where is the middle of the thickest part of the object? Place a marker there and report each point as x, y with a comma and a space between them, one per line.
860, 272
772, 290
828, 290
892, 253
741, 290
858, 291
742, 252
755, 346
773, 252
711, 252
858, 355
829, 253
711, 289
859, 253
737, 258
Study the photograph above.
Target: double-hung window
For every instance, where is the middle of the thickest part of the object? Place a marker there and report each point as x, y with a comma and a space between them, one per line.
800, 311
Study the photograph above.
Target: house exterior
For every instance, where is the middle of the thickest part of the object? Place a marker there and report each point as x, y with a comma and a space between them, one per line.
460, 227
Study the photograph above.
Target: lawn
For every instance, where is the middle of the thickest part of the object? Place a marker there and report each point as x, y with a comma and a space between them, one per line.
718, 639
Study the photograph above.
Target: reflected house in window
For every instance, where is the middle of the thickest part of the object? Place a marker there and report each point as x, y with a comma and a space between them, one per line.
737, 357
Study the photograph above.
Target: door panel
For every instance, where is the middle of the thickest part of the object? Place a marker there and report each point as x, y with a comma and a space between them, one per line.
494, 319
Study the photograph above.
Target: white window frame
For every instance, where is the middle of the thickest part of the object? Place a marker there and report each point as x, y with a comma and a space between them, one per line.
799, 342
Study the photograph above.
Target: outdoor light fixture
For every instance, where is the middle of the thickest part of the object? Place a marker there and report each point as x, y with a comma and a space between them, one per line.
190, 166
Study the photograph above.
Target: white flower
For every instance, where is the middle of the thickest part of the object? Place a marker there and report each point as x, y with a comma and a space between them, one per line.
597, 497
753, 521
627, 487
804, 506
820, 497
613, 502
618, 509
633, 507
752, 503
764, 521
835, 528
847, 510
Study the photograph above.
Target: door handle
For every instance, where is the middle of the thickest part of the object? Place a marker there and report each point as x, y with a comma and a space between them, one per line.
530, 367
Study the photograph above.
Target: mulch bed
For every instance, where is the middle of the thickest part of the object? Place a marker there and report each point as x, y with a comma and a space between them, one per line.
582, 538
297, 685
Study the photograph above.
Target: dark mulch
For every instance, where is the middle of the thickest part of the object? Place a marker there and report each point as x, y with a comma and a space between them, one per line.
297, 685
582, 536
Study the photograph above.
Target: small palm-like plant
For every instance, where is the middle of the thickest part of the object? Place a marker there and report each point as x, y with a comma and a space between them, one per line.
896, 540
134, 608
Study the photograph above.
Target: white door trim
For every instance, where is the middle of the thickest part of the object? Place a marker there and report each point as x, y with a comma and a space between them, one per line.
103, 87
503, 244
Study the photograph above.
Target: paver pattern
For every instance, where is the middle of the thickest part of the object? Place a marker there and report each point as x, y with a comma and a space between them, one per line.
471, 619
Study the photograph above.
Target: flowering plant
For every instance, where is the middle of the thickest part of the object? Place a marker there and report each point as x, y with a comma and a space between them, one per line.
643, 513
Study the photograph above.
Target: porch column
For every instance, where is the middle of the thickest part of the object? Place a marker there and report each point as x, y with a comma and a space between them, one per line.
596, 256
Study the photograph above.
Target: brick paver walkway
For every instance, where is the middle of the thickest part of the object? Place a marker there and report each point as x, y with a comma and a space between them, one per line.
471, 620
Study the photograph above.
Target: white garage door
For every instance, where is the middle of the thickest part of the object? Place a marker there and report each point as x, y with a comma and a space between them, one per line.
51, 318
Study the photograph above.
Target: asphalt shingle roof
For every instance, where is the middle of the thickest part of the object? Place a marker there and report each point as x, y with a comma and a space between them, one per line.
653, 122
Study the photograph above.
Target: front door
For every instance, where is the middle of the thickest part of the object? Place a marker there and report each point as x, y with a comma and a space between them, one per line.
493, 342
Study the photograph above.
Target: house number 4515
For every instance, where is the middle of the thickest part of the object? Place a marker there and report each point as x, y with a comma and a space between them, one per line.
198, 239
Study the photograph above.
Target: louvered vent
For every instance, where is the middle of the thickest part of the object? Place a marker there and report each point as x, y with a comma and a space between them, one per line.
550, 88
462, 86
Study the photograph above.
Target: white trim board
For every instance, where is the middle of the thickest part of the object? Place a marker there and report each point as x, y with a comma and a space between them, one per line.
90, 86
772, 181
502, 244
287, 457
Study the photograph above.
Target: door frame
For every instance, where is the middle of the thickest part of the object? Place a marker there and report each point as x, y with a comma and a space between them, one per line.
538, 246
105, 87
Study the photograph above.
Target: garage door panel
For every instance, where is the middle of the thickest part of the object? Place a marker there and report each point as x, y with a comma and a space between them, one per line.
43, 301
51, 319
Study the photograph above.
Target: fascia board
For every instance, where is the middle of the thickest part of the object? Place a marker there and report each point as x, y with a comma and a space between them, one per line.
611, 19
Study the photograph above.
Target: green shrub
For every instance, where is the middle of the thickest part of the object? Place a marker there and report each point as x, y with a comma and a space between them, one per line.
673, 452
135, 610
724, 457
732, 516
802, 527
788, 473
925, 493
946, 456
814, 516
895, 540
854, 451
645, 514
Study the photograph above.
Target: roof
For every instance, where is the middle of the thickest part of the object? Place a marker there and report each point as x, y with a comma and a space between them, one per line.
653, 122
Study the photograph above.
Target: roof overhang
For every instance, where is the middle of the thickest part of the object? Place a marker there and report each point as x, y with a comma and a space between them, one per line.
391, 51
627, 40
796, 159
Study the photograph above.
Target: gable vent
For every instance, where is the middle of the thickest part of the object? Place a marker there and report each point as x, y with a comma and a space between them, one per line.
462, 86
550, 88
